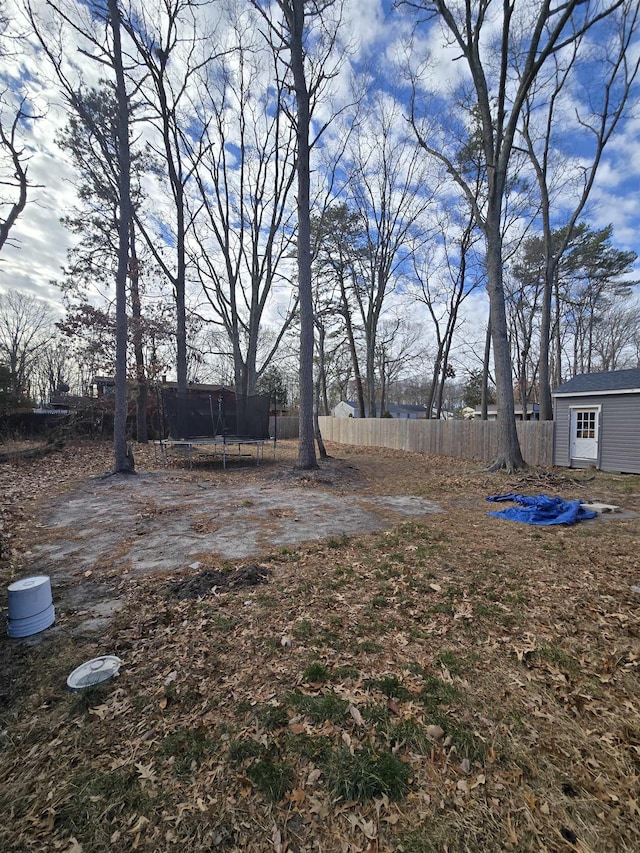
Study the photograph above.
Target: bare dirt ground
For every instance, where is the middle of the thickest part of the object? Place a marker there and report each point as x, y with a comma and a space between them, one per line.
353, 659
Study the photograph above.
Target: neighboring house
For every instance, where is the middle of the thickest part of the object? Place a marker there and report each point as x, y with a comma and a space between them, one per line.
347, 409
597, 421
533, 412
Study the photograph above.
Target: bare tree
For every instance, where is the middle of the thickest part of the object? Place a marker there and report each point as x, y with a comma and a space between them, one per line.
14, 168
524, 289
172, 43
14, 165
612, 73
443, 286
307, 31
91, 137
502, 70
390, 192
398, 347
614, 335
339, 242
98, 34
245, 174
26, 327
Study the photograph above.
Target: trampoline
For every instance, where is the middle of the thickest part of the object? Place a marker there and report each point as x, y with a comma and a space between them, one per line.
221, 421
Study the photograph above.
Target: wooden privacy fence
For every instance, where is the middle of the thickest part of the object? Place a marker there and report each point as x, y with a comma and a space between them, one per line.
472, 439
283, 426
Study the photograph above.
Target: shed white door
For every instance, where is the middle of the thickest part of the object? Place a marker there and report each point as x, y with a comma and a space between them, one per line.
584, 433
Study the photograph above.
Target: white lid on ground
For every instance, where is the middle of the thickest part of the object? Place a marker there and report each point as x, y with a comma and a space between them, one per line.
94, 671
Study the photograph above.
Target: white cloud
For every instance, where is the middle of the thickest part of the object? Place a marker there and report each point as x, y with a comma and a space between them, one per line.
381, 36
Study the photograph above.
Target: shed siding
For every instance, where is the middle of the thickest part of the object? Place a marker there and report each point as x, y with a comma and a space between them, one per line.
619, 430
620, 425
561, 439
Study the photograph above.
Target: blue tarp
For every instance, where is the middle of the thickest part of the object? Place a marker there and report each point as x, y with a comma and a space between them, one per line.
541, 509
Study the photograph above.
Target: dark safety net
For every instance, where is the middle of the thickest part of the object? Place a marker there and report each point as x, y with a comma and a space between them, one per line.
220, 414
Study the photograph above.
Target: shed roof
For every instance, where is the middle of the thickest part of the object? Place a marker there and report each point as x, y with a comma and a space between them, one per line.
606, 382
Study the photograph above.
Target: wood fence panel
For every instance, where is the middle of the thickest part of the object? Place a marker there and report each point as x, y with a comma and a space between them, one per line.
472, 439
284, 427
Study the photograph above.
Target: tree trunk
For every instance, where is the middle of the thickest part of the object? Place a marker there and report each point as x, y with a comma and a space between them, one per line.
306, 446
484, 395
509, 455
371, 378
123, 459
352, 349
136, 316
318, 386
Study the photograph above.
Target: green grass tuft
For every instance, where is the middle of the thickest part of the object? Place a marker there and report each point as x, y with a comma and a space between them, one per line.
328, 706
188, 746
391, 686
366, 774
316, 672
273, 778
272, 717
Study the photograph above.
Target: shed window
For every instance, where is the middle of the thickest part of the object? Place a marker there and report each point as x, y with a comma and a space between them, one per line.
586, 424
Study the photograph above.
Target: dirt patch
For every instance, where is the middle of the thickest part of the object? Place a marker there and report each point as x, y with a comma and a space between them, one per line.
210, 581
160, 521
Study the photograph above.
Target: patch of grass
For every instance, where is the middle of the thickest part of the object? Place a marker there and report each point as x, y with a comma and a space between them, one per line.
467, 743
369, 647
390, 686
289, 554
330, 638
316, 672
366, 774
391, 570
343, 572
244, 749
371, 627
556, 656
272, 717
315, 749
328, 706
337, 541
94, 798
302, 630
451, 661
437, 692
90, 697
378, 715
412, 734
244, 706
427, 840
489, 611
379, 601
440, 607
515, 598
272, 777
188, 747
343, 673
225, 623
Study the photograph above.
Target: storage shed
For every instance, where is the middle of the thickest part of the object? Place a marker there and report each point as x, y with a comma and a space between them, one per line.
597, 421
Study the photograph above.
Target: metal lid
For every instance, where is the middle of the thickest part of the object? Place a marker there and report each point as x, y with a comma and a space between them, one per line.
94, 671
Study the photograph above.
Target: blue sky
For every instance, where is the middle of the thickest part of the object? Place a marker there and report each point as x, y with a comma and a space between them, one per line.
381, 35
